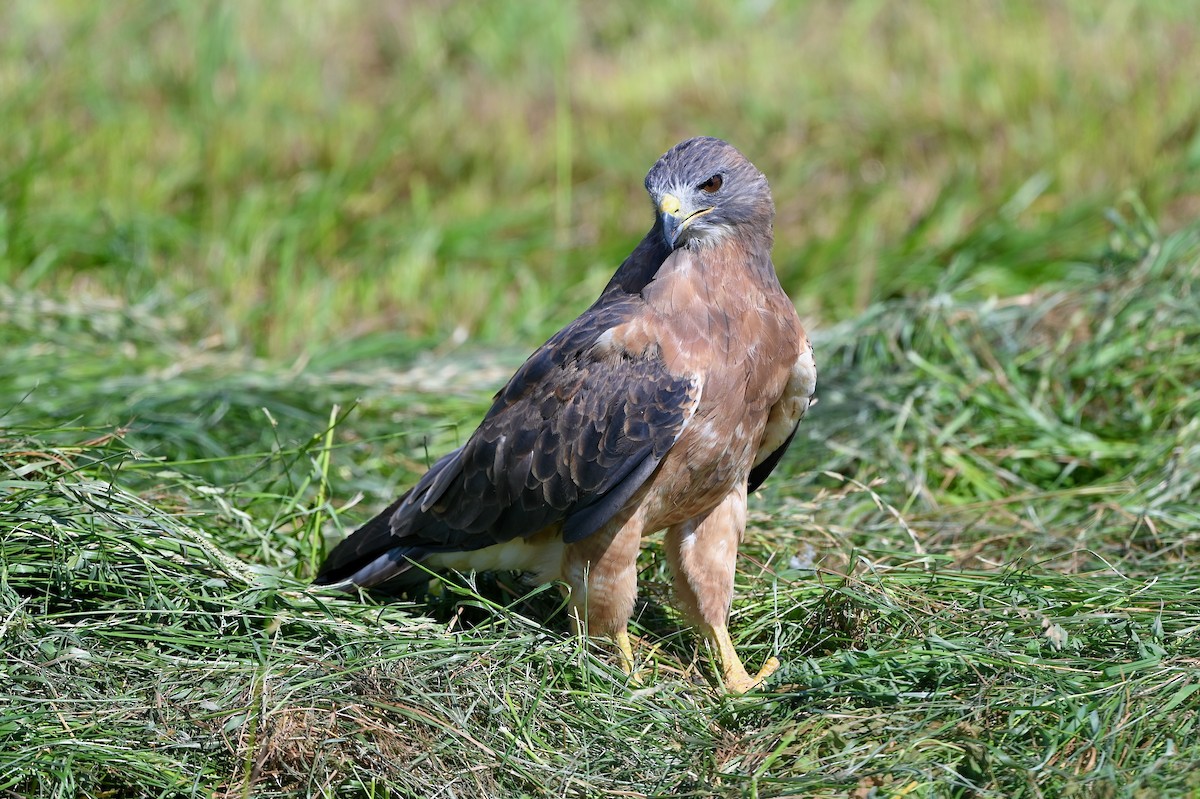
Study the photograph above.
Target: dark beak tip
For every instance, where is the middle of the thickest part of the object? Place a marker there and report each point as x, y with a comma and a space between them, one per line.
671, 229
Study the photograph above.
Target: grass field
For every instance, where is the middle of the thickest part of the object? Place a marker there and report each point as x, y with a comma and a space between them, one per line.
262, 262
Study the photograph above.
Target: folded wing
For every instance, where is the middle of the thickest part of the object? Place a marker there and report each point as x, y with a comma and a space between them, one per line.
567, 442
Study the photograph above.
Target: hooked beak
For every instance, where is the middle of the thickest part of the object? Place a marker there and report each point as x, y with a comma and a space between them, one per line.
676, 218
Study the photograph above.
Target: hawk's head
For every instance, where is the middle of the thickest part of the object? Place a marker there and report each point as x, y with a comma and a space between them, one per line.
703, 188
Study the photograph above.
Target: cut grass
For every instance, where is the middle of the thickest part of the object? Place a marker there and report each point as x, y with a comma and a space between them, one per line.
956, 616
236, 267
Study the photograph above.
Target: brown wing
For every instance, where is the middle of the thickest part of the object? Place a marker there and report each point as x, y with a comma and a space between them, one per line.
571, 437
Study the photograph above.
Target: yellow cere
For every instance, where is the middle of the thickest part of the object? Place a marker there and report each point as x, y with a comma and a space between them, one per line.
670, 204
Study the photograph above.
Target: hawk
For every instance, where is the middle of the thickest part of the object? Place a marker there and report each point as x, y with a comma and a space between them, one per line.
668, 400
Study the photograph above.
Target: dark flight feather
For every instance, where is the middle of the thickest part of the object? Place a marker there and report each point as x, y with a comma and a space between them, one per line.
760, 473
568, 440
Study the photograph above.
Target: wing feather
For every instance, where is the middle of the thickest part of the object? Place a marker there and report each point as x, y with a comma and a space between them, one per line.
568, 441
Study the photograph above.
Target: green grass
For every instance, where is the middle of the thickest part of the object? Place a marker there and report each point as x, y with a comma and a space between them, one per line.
977, 567
293, 174
240, 246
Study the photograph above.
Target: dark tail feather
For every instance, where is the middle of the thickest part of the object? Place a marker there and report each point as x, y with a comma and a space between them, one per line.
763, 470
370, 556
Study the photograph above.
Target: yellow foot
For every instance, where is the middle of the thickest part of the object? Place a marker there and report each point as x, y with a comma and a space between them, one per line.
625, 650
737, 681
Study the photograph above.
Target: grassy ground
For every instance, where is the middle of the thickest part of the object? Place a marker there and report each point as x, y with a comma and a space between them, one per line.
977, 567
235, 260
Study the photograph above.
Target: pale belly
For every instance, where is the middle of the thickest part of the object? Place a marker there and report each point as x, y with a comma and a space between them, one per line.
540, 554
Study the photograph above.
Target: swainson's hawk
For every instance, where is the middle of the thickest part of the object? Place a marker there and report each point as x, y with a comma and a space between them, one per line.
659, 408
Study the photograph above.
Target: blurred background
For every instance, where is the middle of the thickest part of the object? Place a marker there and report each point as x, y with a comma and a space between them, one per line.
285, 176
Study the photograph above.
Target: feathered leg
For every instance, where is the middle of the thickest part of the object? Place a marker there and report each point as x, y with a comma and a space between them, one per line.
601, 571
703, 556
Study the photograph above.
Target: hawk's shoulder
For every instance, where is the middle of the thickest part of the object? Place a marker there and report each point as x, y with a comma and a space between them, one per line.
568, 440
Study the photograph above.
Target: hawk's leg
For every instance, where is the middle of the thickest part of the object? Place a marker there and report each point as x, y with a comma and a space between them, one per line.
619, 637
601, 571
737, 679
703, 555
625, 649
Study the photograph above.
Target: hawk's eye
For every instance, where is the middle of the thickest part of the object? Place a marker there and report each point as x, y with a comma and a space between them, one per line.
712, 185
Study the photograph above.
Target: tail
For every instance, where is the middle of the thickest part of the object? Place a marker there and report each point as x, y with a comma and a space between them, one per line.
372, 556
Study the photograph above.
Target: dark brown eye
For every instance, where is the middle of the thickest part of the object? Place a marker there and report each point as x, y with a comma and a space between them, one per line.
712, 185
